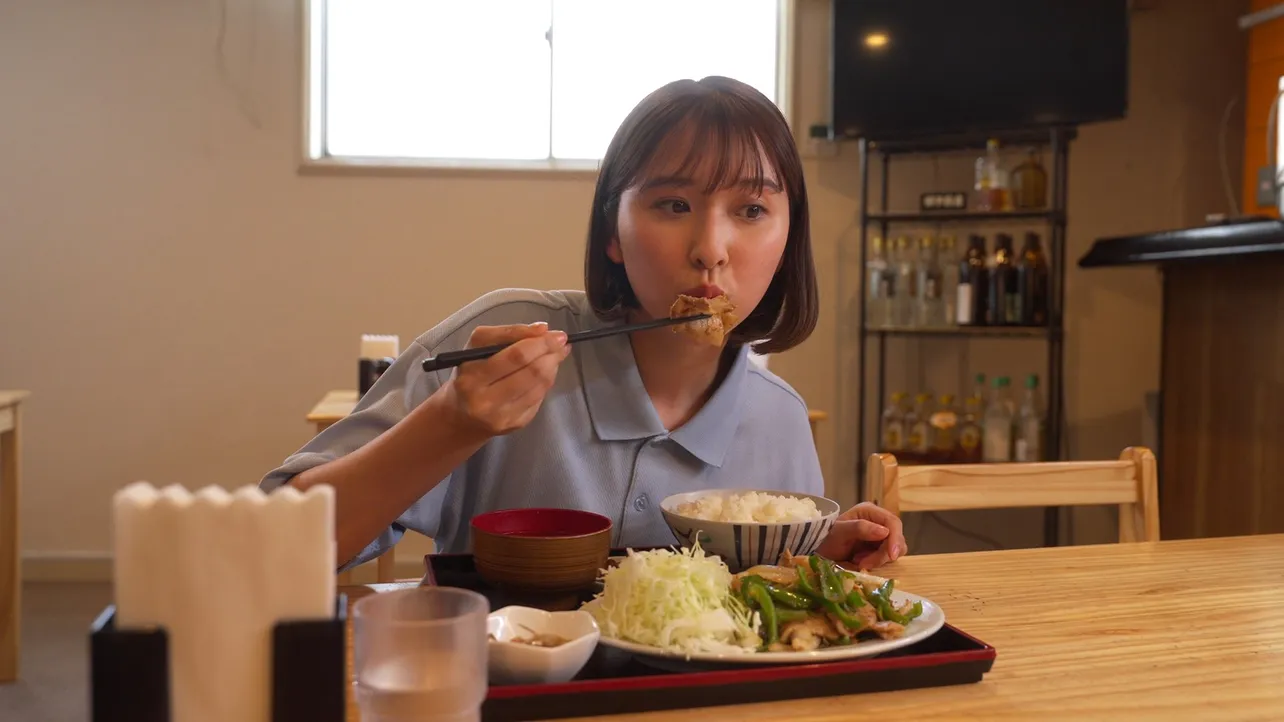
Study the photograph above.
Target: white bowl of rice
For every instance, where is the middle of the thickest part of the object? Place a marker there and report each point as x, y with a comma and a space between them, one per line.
747, 527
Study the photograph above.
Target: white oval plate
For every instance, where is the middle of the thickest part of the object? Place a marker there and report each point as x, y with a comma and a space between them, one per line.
920, 628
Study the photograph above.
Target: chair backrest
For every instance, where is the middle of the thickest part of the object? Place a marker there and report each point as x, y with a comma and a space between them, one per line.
1131, 483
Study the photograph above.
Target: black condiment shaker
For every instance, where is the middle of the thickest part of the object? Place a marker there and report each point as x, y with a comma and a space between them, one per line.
377, 355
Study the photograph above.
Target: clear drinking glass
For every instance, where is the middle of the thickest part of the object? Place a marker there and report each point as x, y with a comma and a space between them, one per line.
419, 655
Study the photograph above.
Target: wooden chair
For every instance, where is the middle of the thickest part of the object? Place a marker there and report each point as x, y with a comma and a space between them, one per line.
1131, 483
385, 566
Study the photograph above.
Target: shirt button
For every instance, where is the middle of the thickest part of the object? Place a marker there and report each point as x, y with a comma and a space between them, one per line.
641, 503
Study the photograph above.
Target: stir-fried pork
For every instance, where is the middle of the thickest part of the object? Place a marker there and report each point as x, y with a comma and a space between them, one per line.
710, 330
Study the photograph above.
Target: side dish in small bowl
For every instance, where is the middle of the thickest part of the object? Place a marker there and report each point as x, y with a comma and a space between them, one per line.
532, 646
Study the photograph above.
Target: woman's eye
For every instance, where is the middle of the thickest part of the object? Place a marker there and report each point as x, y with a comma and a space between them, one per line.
753, 212
674, 206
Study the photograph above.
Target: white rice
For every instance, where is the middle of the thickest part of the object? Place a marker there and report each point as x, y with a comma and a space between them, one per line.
750, 507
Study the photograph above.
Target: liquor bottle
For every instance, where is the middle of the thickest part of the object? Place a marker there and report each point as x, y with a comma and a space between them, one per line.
1030, 183
973, 290
997, 426
894, 424
920, 427
929, 309
947, 256
978, 392
991, 182
1003, 306
908, 419
1028, 445
969, 434
945, 422
907, 291
880, 286
1032, 280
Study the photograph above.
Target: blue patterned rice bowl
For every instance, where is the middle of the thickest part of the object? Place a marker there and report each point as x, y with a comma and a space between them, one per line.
786, 526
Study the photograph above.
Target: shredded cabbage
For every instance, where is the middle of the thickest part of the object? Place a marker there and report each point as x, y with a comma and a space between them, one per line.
675, 600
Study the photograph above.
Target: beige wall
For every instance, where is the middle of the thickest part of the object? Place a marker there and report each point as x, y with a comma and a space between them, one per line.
177, 295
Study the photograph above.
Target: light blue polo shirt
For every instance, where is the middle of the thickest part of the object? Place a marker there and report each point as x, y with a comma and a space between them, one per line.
595, 444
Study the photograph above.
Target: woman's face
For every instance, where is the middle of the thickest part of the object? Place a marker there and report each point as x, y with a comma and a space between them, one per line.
674, 238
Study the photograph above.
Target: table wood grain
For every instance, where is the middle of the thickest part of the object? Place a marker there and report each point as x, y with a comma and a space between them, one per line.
1171, 631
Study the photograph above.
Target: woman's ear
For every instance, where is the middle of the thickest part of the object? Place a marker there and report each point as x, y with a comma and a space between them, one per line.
613, 250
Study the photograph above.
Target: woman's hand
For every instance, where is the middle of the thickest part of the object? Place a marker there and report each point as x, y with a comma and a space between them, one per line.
866, 535
501, 394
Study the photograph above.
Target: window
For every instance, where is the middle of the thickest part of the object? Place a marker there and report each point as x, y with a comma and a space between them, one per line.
537, 83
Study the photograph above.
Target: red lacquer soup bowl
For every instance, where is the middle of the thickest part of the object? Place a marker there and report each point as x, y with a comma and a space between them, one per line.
541, 550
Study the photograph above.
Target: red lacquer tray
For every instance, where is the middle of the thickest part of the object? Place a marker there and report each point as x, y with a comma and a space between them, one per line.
614, 682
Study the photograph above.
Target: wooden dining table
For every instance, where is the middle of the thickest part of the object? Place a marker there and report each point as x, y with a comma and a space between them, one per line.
1172, 630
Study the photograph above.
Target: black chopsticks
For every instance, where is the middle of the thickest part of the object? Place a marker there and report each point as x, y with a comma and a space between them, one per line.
450, 359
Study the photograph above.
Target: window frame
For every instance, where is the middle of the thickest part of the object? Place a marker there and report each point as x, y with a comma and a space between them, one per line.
313, 158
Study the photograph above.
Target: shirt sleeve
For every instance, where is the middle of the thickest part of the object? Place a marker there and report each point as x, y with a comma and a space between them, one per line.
398, 390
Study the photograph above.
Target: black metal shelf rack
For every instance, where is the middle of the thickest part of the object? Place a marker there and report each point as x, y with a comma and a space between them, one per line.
1057, 140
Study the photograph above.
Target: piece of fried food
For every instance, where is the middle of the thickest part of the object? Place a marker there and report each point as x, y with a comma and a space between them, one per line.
712, 330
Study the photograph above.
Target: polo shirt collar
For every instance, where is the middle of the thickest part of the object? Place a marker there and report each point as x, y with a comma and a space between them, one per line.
621, 410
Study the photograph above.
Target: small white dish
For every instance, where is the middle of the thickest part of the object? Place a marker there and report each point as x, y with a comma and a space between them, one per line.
513, 662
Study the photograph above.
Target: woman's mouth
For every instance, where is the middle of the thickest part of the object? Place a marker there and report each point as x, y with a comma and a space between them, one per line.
704, 292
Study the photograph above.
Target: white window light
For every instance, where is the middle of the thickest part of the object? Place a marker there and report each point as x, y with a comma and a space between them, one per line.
515, 83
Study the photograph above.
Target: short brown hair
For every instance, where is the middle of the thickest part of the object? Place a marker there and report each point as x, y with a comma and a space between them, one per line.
727, 116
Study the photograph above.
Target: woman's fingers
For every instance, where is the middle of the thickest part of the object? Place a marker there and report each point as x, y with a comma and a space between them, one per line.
502, 393
529, 343
849, 540
894, 545
524, 390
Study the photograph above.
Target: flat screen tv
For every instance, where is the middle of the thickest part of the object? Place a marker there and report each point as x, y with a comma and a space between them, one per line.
903, 69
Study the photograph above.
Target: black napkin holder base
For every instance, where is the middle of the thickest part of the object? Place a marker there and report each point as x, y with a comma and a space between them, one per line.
129, 670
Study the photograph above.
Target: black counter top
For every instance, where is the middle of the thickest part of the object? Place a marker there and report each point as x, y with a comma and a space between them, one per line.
1215, 241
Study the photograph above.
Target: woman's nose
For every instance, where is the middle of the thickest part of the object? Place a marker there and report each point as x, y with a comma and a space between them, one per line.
710, 244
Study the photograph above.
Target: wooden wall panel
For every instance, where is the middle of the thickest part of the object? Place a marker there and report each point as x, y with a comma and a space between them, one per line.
1266, 42
1265, 61
1222, 456
1254, 158
1263, 80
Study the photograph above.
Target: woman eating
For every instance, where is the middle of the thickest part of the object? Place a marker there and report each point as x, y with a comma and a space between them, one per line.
700, 207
